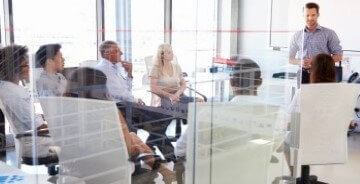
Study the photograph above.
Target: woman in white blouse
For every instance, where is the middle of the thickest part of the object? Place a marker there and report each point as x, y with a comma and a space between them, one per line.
166, 77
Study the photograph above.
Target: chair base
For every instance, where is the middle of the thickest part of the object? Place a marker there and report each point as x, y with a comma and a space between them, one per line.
53, 170
284, 179
311, 180
306, 178
50, 162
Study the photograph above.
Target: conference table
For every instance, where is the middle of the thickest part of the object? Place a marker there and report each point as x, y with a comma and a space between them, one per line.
13, 175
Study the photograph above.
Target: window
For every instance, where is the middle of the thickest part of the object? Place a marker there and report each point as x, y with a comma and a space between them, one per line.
193, 36
70, 23
147, 26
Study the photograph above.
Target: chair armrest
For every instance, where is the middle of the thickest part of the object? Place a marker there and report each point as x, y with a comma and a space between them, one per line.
142, 156
40, 133
202, 95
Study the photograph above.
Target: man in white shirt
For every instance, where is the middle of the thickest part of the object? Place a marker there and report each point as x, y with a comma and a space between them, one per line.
50, 82
16, 101
118, 73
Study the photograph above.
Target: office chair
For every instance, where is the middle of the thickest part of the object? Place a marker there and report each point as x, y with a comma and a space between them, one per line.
230, 142
326, 110
88, 63
49, 161
92, 145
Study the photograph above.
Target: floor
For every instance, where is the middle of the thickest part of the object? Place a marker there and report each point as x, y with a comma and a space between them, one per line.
342, 173
333, 174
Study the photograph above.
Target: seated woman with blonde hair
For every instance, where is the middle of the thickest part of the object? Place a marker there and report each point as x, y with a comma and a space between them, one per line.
166, 77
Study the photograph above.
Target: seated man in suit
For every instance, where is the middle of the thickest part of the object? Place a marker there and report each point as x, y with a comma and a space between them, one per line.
51, 82
119, 84
14, 64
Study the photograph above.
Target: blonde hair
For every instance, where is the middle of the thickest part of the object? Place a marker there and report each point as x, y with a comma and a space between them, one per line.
159, 59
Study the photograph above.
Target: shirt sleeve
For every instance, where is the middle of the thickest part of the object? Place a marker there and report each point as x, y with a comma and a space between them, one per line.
129, 82
334, 44
118, 91
294, 48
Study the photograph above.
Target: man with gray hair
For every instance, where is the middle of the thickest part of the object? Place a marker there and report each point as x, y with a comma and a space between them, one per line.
118, 73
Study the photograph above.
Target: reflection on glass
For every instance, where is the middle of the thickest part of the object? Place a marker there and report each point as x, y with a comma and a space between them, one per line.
233, 141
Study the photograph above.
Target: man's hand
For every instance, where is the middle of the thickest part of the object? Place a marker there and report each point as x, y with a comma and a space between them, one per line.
128, 67
307, 63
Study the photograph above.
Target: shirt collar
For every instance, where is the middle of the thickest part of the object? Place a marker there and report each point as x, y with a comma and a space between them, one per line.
48, 74
318, 27
108, 63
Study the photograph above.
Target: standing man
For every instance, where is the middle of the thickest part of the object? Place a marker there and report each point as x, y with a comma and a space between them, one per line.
313, 40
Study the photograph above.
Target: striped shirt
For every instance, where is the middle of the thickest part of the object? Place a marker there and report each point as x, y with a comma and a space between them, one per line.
322, 40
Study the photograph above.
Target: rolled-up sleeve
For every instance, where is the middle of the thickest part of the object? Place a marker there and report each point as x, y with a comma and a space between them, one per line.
334, 44
294, 48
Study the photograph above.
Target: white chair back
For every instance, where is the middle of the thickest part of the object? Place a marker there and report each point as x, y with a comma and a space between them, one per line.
326, 112
233, 142
89, 63
14, 130
91, 141
149, 62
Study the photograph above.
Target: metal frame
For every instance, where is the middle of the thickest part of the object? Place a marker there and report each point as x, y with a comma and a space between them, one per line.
1, 28
123, 26
9, 23
168, 21
219, 28
100, 25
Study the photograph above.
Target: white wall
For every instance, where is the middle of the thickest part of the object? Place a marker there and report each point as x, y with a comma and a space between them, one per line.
340, 16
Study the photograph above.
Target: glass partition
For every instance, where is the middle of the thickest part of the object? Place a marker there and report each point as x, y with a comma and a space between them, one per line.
242, 133
211, 107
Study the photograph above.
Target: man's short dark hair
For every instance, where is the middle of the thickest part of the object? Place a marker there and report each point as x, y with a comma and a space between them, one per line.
246, 73
10, 61
45, 52
104, 46
312, 5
